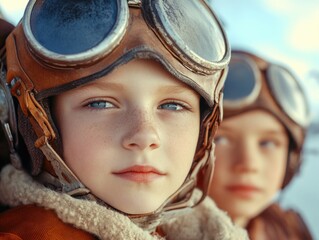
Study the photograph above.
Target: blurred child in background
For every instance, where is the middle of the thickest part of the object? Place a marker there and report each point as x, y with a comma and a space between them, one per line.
258, 147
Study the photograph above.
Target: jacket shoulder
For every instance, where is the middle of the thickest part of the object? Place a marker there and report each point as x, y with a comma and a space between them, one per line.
32, 222
275, 221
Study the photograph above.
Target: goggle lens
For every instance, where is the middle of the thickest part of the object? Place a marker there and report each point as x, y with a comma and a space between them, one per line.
191, 32
240, 82
77, 26
289, 94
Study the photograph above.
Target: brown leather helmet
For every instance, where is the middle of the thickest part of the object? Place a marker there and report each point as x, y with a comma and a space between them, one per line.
254, 83
48, 54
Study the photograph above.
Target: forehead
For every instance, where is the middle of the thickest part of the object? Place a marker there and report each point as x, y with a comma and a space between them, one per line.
257, 121
148, 72
136, 81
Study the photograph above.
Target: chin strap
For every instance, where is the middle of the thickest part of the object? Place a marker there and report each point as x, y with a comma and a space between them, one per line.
68, 182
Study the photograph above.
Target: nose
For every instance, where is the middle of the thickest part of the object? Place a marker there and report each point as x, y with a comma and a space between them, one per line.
247, 158
141, 133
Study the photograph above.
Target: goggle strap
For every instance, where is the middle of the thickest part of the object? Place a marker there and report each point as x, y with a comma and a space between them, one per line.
33, 110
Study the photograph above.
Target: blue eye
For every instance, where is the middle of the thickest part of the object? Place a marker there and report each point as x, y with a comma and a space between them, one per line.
268, 144
172, 106
100, 104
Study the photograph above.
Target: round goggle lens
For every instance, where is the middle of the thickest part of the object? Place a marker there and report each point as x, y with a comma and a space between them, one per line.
194, 28
289, 94
72, 26
240, 81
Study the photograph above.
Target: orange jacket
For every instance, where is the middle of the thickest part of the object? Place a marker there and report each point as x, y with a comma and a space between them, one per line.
276, 223
37, 224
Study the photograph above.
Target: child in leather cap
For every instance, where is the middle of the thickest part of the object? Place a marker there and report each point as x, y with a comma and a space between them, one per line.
116, 104
258, 146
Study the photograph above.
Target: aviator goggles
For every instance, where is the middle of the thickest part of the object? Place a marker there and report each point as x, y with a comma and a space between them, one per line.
252, 83
71, 33
69, 43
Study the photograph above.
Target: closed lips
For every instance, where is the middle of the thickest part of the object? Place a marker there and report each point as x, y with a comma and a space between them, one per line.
140, 174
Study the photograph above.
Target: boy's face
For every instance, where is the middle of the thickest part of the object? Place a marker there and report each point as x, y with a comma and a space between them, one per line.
131, 136
251, 158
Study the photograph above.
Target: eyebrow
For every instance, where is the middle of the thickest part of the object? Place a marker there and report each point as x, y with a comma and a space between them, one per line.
274, 132
170, 89
102, 86
174, 89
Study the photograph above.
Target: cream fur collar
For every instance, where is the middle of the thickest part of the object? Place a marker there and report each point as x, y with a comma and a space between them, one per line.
204, 222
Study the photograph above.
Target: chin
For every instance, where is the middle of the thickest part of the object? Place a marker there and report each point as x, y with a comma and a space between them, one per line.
143, 208
136, 203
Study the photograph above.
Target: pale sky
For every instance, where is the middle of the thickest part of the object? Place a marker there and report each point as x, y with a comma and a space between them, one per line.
13, 9
285, 30
302, 19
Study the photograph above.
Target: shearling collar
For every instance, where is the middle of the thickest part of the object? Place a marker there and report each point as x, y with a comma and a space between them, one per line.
204, 222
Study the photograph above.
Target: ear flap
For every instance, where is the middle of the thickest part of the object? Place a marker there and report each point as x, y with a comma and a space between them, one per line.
6, 102
8, 118
293, 166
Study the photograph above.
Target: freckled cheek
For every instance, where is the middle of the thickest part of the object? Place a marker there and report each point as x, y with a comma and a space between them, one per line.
225, 155
84, 142
275, 170
222, 170
182, 141
221, 153
274, 182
